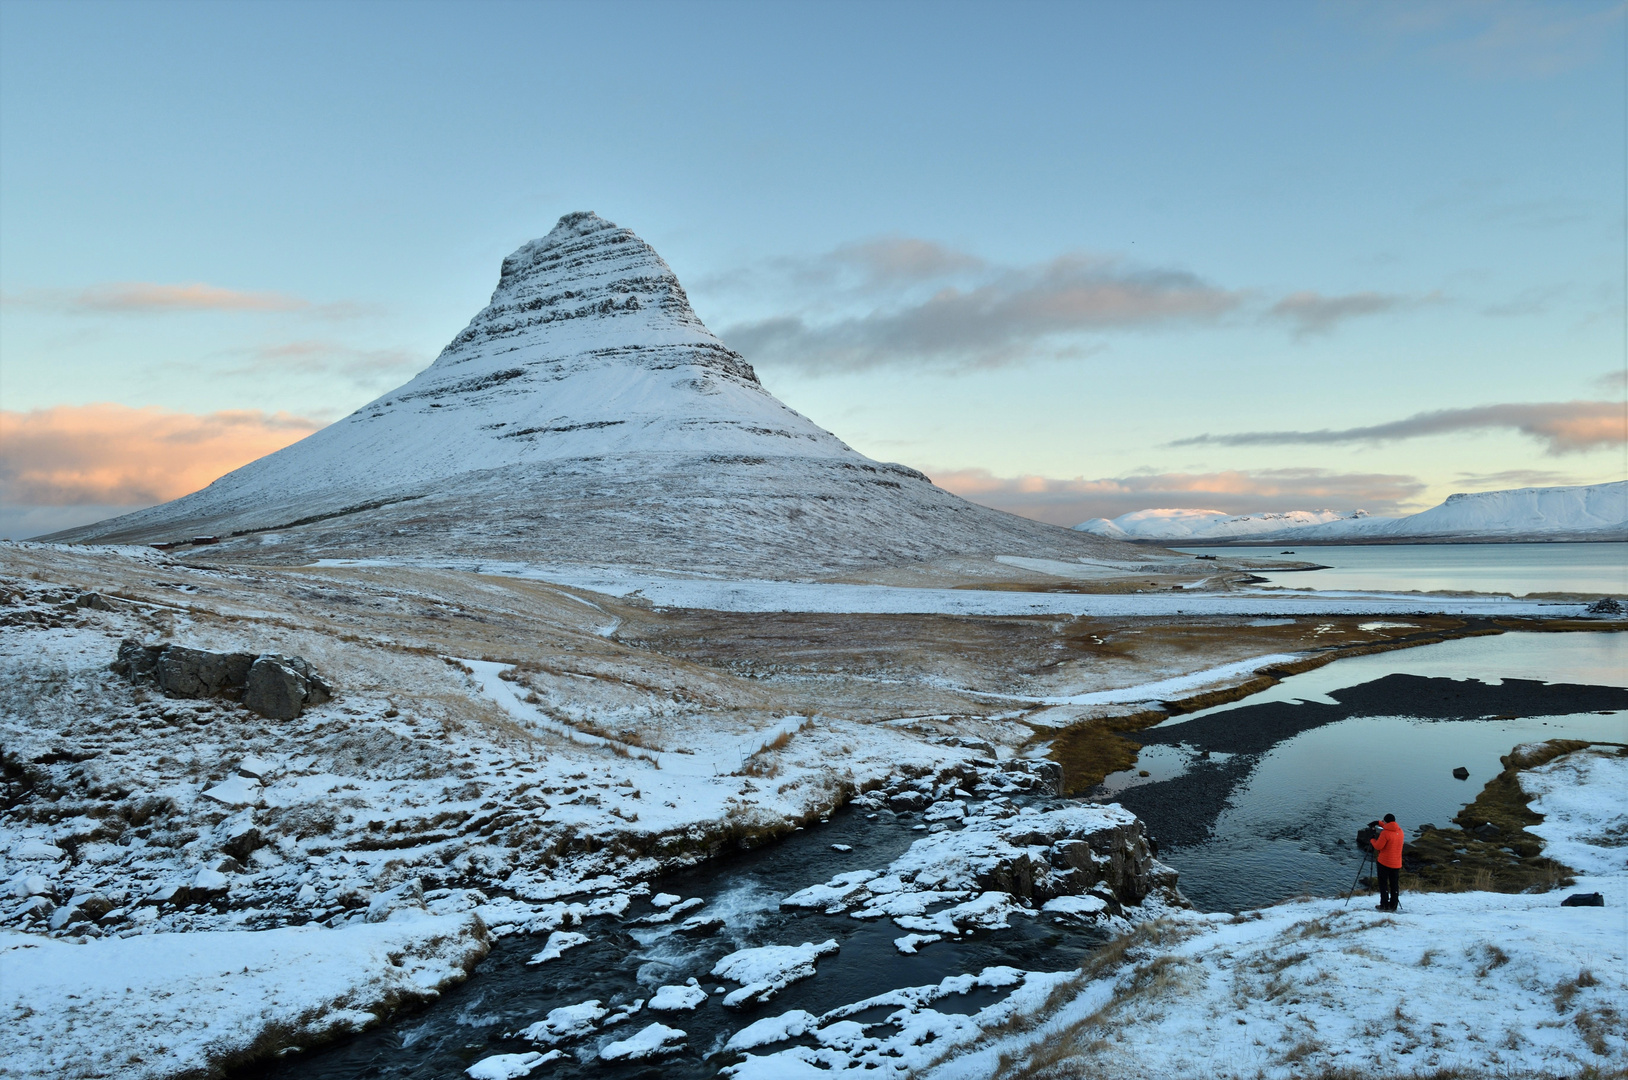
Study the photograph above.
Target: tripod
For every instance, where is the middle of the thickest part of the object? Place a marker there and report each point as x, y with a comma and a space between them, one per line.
1367, 860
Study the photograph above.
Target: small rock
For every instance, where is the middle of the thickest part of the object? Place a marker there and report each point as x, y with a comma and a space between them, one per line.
235, 791
1487, 830
31, 885
699, 926
409, 894
908, 800
1461, 773
1583, 899
94, 601
244, 844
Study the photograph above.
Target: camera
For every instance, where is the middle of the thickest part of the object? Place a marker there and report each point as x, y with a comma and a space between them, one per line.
1368, 834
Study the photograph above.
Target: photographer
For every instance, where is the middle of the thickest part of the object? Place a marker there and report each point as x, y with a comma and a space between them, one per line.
1387, 849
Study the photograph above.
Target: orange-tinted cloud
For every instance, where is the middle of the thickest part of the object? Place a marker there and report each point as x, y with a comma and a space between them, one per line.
196, 296
1069, 502
115, 455
154, 298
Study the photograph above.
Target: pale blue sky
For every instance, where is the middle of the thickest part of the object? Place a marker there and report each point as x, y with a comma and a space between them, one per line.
1158, 220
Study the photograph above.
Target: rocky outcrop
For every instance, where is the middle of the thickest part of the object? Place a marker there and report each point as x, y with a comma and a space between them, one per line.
276, 687
1032, 856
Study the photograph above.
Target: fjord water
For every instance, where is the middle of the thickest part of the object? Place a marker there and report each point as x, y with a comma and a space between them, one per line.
1594, 569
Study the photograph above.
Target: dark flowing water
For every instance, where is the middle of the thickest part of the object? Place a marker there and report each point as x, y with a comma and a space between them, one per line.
625, 962
1292, 772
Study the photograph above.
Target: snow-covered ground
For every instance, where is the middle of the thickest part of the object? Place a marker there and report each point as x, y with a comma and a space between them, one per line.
1583, 512
482, 727
721, 594
1494, 984
175, 1004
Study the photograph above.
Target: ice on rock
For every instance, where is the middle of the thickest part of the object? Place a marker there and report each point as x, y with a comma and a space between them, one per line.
558, 942
948, 810
834, 895
1078, 906
671, 910
35, 851
909, 943
989, 911
768, 969
566, 1022
210, 880
259, 768
664, 900
773, 1029
677, 998
999, 864
235, 790
648, 1042
510, 1066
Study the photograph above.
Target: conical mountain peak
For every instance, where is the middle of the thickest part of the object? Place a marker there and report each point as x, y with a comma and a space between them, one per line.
588, 275
585, 415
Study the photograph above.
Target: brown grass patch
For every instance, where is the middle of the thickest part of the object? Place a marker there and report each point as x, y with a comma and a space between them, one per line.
1457, 860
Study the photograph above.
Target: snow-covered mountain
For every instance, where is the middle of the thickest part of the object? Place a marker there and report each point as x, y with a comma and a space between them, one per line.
1180, 525
587, 415
1590, 512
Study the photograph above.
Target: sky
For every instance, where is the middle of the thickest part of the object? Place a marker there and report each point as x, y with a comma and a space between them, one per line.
1070, 260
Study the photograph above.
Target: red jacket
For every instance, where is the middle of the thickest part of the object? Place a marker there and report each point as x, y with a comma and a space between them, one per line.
1388, 846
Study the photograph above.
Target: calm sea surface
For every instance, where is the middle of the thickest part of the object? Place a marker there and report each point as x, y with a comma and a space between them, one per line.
1520, 569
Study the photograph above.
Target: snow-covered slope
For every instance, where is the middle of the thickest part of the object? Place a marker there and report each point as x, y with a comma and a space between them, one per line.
1204, 524
586, 415
1590, 512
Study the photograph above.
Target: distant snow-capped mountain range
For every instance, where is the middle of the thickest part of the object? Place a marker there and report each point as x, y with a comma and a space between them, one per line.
1589, 512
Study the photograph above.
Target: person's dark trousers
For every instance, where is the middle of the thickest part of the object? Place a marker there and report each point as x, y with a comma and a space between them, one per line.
1390, 883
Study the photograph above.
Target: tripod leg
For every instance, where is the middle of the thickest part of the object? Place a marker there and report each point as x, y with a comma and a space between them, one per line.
1363, 865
